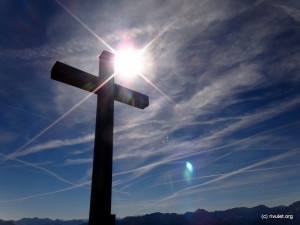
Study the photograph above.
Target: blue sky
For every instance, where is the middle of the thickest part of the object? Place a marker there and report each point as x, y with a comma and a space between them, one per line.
229, 74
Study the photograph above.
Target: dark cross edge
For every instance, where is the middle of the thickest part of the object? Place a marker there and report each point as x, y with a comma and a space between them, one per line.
101, 190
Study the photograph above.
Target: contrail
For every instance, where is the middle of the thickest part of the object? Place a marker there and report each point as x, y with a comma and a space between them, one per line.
274, 158
221, 174
59, 119
115, 52
40, 168
37, 115
85, 26
44, 194
54, 144
224, 176
145, 168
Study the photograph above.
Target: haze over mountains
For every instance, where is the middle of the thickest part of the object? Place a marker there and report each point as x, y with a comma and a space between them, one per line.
44, 221
235, 216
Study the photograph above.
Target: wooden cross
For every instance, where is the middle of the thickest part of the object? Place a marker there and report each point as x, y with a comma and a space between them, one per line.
100, 203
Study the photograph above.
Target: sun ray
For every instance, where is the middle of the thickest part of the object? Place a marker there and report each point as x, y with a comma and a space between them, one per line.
85, 98
85, 26
114, 51
153, 85
157, 36
80, 102
58, 120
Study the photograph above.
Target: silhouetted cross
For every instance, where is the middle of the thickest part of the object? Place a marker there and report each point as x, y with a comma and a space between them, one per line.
100, 204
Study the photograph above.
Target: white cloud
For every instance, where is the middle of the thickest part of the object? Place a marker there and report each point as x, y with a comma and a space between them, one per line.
54, 144
77, 161
195, 188
46, 193
292, 12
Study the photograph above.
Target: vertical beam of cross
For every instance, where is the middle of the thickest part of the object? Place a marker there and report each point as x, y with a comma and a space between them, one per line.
107, 91
100, 203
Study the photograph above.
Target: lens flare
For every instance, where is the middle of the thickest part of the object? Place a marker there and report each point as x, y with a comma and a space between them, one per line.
189, 167
188, 172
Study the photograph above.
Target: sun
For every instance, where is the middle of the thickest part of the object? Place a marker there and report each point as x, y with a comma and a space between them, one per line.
128, 62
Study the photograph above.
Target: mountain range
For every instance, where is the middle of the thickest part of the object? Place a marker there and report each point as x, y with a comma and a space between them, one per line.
235, 216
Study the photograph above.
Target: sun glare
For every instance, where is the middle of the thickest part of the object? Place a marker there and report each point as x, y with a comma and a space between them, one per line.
128, 62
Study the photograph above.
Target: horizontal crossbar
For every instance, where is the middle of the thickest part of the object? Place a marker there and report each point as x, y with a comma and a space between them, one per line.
83, 80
